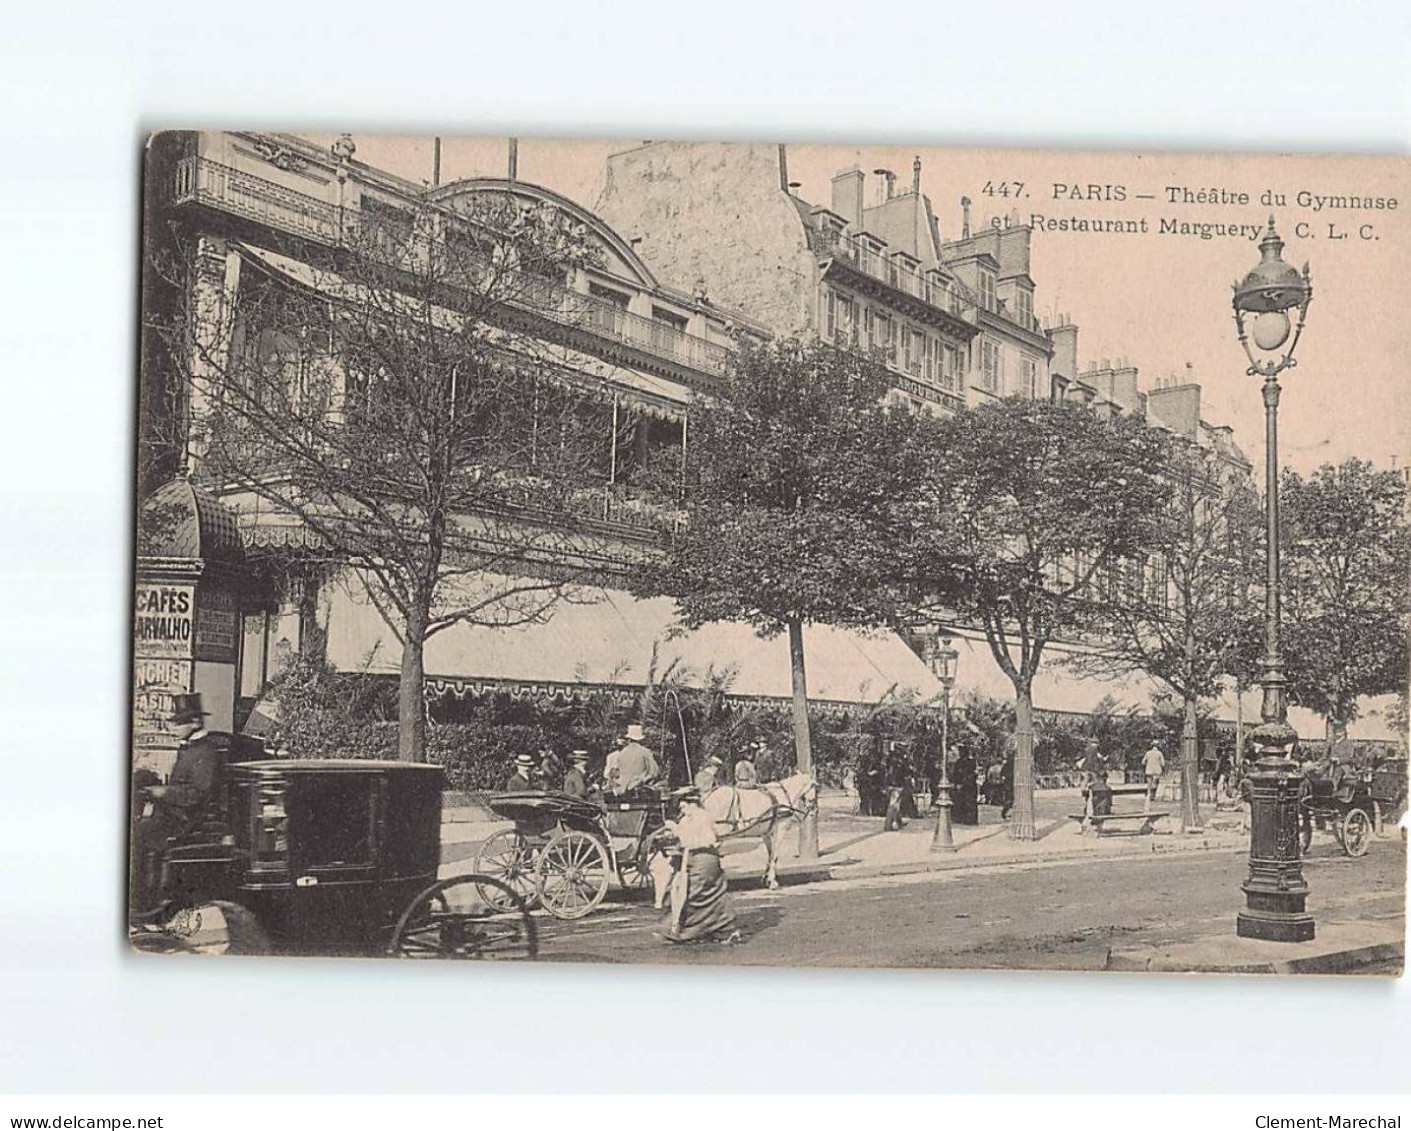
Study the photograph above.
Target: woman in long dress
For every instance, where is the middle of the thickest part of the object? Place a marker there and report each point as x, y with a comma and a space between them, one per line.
699, 907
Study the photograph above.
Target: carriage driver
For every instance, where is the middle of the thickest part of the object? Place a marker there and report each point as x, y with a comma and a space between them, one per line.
631, 766
178, 805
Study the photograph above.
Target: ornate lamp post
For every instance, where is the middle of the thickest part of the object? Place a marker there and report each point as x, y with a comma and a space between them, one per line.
942, 659
1275, 891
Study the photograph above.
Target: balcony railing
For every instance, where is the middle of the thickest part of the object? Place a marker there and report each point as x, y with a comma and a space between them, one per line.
200, 180
653, 335
208, 182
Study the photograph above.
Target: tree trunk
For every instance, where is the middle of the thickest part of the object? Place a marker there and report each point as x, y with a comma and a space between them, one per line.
1021, 821
411, 703
1190, 769
808, 827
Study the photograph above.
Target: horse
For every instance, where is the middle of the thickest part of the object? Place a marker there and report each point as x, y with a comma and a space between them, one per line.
745, 819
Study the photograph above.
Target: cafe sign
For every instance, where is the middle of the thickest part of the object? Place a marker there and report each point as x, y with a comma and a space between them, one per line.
164, 626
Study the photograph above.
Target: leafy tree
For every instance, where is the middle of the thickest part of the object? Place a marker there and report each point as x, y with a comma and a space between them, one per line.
794, 493
406, 405
1346, 547
1027, 504
1176, 618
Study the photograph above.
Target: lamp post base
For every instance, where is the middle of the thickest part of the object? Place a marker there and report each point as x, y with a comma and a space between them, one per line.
944, 838
1275, 892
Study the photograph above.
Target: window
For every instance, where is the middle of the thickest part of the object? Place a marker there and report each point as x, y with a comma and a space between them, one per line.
608, 311
1029, 377
950, 377
987, 290
846, 330
915, 350
991, 366
667, 328
1024, 306
830, 315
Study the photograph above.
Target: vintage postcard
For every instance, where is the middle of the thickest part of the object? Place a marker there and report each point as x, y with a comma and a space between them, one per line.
827, 555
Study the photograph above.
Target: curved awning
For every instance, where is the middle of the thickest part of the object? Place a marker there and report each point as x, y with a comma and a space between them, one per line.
607, 639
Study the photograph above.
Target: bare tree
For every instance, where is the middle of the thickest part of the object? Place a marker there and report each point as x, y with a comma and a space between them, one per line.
407, 399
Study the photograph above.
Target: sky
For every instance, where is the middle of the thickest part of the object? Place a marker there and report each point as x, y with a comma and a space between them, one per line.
1160, 300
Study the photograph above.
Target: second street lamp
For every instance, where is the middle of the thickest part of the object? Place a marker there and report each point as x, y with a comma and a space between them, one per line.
942, 659
1275, 892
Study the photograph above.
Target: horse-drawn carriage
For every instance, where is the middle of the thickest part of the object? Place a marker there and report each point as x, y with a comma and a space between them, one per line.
330, 856
564, 851
1353, 804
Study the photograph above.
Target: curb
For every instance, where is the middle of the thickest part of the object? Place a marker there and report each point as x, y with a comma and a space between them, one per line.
1330, 962
959, 861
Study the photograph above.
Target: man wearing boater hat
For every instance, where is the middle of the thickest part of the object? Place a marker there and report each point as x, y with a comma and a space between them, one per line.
708, 776
522, 779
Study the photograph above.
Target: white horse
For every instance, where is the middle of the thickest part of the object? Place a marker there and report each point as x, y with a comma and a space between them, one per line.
745, 819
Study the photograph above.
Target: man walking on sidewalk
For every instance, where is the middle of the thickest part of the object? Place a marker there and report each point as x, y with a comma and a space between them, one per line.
1153, 766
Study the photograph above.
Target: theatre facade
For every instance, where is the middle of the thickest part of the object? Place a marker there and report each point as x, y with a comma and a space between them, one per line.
229, 588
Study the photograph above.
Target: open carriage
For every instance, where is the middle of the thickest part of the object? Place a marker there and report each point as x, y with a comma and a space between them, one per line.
326, 856
564, 852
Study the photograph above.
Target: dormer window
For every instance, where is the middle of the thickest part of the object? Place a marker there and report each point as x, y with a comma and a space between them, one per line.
987, 289
1024, 307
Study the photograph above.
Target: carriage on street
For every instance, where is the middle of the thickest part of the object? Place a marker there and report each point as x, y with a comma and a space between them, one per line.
564, 852
319, 856
1354, 805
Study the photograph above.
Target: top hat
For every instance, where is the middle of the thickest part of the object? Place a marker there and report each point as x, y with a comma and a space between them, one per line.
635, 733
527, 760
186, 708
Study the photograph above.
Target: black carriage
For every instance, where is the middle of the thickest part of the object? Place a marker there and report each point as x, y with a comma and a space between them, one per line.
326, 856
563, 851
1341, 803
1386, 785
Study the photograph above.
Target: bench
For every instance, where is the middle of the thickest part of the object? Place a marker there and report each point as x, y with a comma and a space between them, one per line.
1100, 821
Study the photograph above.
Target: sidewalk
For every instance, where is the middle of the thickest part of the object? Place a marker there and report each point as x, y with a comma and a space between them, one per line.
1370, 947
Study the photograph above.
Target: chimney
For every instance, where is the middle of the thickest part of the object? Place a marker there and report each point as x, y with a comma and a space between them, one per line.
1065, 348
783, 167
889, 183
965, 217
916, 175
847, 196
514, 159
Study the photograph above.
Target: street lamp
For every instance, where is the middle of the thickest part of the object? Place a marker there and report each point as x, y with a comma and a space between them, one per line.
1275, 892
942, 660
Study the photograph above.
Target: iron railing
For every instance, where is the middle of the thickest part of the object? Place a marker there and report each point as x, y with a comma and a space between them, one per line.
201, 180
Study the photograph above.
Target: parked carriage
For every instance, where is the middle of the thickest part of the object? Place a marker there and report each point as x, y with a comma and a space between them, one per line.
564, 852
1343, 804
329, 856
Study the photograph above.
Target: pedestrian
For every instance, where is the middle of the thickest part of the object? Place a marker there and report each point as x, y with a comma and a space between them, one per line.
521, 779
699, 907
1153, 766
707, 777
746, 776
575, 782
966, 808
896, 786
1099, 797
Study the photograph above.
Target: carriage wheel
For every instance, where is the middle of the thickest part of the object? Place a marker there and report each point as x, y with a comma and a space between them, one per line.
634, 872
573, 875
1355, 832
508, 859
453, 919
